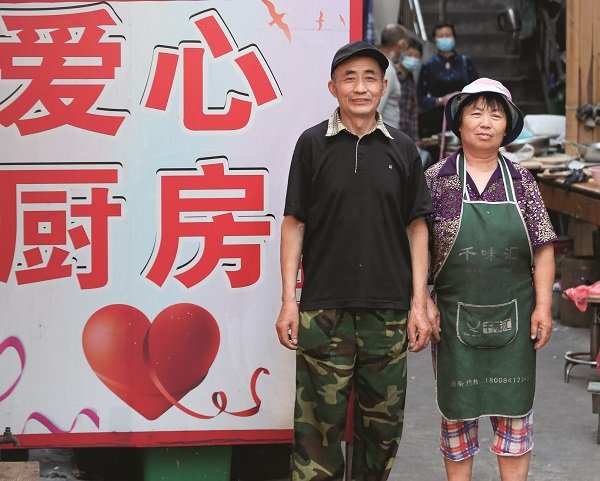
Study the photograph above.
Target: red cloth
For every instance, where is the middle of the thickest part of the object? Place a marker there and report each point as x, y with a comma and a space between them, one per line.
349, 433
579, 295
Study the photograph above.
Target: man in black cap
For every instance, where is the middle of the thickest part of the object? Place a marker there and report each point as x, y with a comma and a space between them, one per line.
354, 212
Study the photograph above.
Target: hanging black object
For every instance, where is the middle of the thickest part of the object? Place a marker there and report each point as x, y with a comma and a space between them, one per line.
510, 21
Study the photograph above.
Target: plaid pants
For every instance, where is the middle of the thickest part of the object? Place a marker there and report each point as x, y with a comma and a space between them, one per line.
512, 437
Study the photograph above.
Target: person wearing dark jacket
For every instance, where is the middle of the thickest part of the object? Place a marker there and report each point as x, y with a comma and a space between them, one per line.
441, 77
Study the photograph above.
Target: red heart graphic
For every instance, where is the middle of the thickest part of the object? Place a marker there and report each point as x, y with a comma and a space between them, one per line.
122, 348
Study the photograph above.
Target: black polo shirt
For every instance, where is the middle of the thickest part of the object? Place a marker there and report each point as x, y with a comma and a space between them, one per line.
356, 198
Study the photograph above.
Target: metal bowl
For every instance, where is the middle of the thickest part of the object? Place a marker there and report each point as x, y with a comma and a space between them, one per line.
540, 144
450, 138
589, 153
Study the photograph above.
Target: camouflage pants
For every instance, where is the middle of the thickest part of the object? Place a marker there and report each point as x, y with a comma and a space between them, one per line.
338, 348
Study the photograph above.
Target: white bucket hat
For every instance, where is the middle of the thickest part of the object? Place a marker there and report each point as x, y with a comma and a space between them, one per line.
479, 86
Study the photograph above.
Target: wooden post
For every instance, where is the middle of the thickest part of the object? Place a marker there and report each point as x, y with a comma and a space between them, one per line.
572, 71
583, 67
583, 74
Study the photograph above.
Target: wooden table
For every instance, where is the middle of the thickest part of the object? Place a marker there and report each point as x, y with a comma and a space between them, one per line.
20, 471
581, 200
540, 162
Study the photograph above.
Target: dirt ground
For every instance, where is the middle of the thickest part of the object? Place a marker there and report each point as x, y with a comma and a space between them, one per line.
56, 463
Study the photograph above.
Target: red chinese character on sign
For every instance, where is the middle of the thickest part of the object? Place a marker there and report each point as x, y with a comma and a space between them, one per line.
238, 106
60, 62
201, 206
54, 225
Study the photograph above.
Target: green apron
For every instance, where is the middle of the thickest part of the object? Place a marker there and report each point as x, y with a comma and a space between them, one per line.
485, 362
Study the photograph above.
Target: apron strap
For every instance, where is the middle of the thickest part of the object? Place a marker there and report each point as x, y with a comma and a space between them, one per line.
509, 188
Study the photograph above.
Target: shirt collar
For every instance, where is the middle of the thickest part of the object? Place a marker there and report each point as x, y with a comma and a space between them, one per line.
335, 125
449, 168
444, 59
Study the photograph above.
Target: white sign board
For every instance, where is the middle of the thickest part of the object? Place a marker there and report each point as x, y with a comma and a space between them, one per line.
144, 161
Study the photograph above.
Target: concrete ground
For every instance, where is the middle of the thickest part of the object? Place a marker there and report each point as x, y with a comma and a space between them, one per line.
565, 427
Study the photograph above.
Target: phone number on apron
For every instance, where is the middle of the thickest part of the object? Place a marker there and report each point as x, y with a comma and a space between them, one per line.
489, 380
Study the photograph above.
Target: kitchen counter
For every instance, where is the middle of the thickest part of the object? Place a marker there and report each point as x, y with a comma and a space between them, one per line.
581, 200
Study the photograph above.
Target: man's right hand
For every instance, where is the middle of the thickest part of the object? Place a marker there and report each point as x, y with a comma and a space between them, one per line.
287, 324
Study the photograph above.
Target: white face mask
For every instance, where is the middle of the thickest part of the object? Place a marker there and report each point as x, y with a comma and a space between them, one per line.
445, 44
412, 64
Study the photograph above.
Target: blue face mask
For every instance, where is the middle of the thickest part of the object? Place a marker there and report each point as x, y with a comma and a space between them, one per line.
445, 44
412, 64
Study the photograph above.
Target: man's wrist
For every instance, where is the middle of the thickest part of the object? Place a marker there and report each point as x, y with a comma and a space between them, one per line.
420, 302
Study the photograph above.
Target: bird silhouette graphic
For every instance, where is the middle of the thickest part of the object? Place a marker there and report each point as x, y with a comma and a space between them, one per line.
320, 20
342, 20
277, 19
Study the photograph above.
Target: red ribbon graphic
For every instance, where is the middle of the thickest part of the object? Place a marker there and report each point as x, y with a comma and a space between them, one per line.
219, 398
54, 429
17, 345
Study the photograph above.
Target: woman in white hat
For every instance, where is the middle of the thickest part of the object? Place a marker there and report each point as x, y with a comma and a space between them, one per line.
493, 269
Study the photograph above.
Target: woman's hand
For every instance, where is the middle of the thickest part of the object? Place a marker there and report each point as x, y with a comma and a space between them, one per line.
543, 278
433, 314
541, 326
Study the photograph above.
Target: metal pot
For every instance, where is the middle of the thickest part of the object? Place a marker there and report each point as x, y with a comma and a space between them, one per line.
589, 153
540, 144
452, 139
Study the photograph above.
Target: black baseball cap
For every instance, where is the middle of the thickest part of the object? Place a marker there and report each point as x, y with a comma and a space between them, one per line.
359, 49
